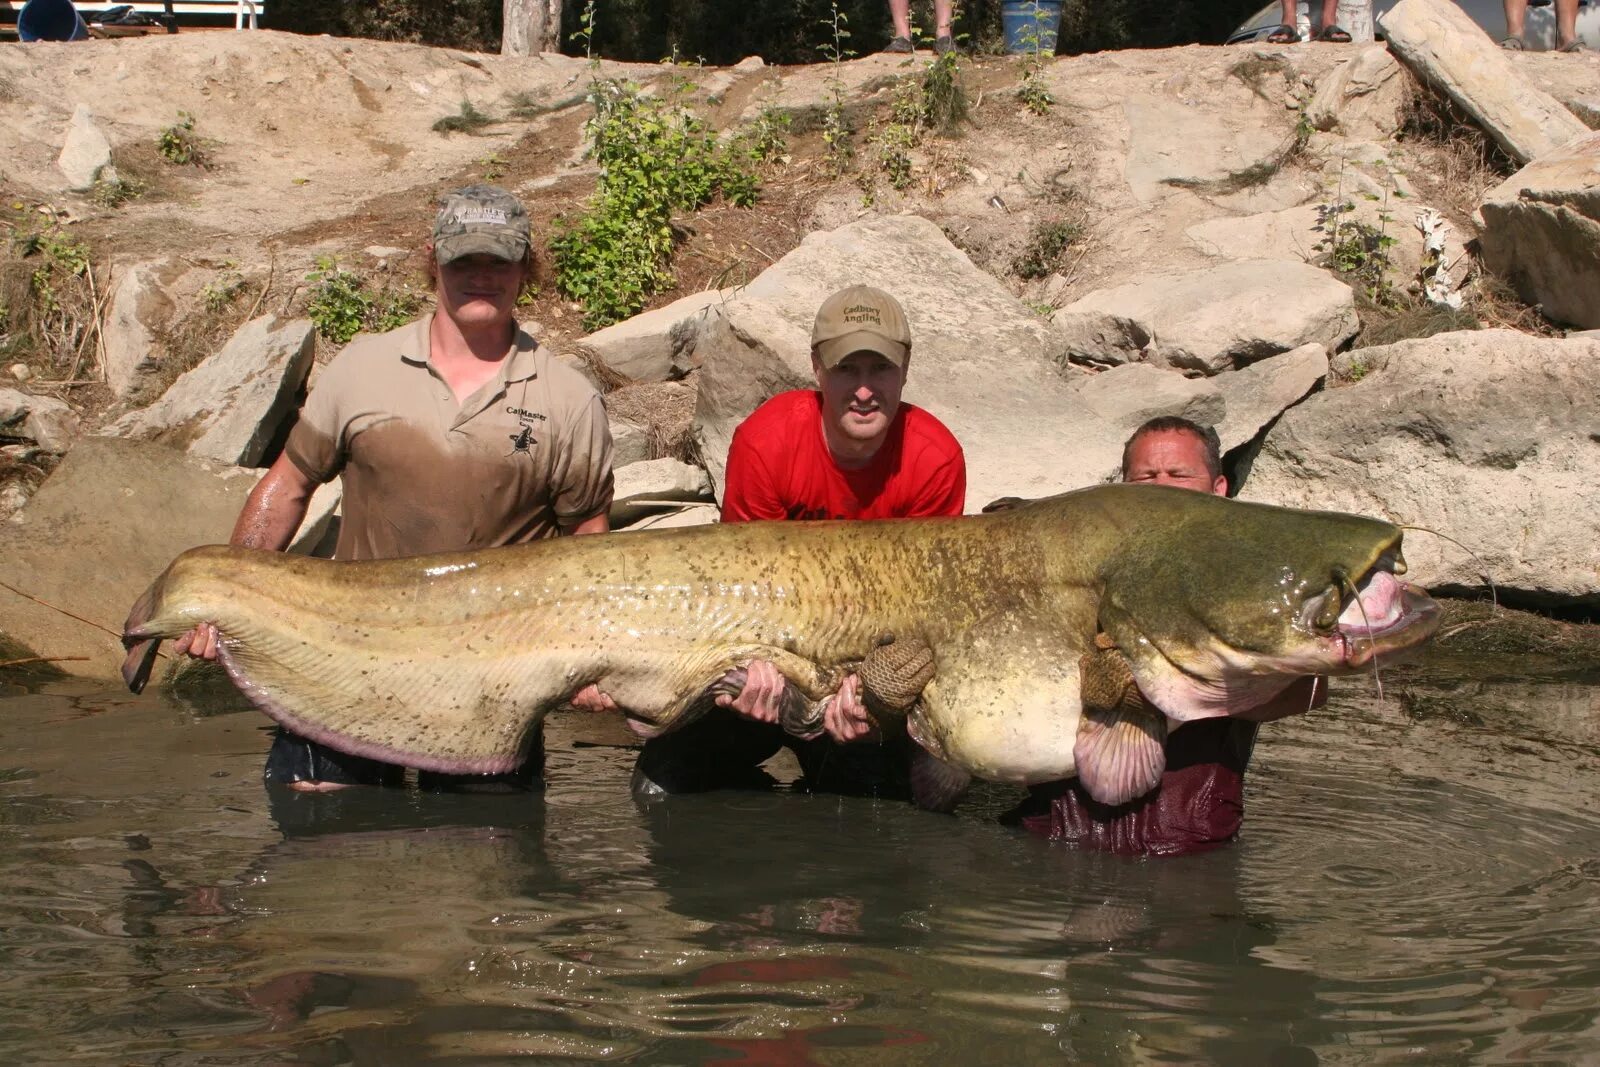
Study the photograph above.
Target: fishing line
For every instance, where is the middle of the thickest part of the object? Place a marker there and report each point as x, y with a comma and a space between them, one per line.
1494, 594
1372, 642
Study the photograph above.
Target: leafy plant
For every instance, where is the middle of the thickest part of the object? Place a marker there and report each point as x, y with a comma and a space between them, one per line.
1032, 91
944, 98
179, 145
766, 140
836, 133
1047, 245
655, 159
467, 120
341, 305
114, 192
222, 291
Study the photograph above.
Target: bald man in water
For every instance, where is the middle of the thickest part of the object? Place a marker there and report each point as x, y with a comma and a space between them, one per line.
1200, 802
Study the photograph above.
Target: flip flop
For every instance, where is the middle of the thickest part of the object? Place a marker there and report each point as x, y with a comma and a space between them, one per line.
1334, 35
1284, 34
1512, 44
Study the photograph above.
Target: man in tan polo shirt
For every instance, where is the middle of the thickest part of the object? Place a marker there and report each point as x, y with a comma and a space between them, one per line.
455, 432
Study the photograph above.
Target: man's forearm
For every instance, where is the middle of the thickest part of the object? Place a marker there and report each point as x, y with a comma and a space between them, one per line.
274, 509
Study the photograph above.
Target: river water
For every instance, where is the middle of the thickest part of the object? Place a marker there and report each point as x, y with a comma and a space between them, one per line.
1418, 882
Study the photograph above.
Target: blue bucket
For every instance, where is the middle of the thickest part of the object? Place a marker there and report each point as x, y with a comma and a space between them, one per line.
50, 20
1030, 24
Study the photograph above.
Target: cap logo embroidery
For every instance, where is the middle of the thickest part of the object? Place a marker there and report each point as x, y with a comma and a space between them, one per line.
863, 313
466, 216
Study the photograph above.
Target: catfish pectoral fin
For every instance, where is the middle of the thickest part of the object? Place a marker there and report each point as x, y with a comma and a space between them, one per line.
935, 785
1120, 750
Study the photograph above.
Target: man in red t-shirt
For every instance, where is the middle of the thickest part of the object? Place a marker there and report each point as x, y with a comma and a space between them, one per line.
849, 449
1200, 801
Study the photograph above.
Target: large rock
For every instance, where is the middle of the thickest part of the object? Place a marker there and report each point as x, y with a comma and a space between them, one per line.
139, 308
1542, 231
85, 153
98, 532
1362, 97
1487, 437
1254, 396
1210, 320
1446, 48
44, 420
981, 362
654, 346
656, 485
231, 406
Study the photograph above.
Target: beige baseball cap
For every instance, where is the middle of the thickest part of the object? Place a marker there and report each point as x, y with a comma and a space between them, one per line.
861, 318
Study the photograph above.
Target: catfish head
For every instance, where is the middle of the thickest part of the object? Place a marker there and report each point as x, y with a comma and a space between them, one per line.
1218, 605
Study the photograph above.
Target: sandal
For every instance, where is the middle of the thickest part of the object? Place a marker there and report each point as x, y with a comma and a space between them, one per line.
1284, 34
1573, 45
1334, 35
1512, 44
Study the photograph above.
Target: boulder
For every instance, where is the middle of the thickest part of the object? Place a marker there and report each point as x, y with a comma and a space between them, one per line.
686, 515
984, 364
139, 307
1172, 144
1209, 321
630, 442
1487, 437
1361, 97
231, 406
1253, 397
1541, 230
1132, 394
44, 420
651, 347
98, 531
1445, 48
656, 485
85, 153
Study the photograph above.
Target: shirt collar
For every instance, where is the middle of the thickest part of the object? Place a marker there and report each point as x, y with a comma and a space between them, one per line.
521, 363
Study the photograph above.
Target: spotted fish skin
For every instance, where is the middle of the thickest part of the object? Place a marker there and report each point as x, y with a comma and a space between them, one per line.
448, 662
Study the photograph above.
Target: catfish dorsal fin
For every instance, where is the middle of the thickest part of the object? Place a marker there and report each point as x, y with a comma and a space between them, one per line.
1120, 750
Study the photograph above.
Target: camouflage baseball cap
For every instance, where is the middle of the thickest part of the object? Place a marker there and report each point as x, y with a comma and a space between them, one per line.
861, 319
480, 219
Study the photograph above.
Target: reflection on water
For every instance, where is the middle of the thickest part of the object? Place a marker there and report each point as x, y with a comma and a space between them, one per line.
1417, 882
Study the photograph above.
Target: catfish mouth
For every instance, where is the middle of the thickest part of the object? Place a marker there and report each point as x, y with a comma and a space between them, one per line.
1378, 616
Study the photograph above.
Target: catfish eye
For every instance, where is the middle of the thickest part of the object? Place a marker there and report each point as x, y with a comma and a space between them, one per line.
1322, 612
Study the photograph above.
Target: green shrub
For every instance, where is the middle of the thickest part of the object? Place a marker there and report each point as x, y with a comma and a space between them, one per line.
179, 145
655, 159
341, 304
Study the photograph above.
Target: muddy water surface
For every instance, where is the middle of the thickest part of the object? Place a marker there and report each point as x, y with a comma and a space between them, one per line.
1418, 882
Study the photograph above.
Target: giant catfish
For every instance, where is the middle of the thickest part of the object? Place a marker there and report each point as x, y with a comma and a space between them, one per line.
1026, 618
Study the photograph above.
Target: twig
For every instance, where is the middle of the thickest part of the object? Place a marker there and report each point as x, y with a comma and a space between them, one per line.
40, 659
66, 384
272, 266
64, 611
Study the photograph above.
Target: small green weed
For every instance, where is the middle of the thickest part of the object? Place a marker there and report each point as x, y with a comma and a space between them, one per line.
114, 192
944, 97
341, 305
766, 140
836, 132
1046, 248
1357, 250
218, 293
492, 167
467, 120
180, 146
47, 292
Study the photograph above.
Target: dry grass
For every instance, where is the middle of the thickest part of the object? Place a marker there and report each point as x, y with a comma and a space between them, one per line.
666, 408
1462, 162
1257, 68
188, 342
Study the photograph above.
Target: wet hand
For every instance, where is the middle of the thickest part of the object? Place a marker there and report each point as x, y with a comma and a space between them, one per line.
844, 716
762, 695
589, 698
201, 642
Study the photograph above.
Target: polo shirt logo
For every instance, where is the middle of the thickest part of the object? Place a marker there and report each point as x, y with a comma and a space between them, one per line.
522, 442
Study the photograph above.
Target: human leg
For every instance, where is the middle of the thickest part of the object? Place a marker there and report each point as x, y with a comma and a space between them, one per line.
943, 31
1331, 31
1567, 25
900, 15
1286, 31
1516, 12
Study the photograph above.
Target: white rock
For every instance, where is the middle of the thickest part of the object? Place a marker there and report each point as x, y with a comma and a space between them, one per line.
85, 153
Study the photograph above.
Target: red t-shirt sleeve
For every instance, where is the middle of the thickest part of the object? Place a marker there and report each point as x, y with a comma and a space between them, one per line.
937, 472
943, 491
